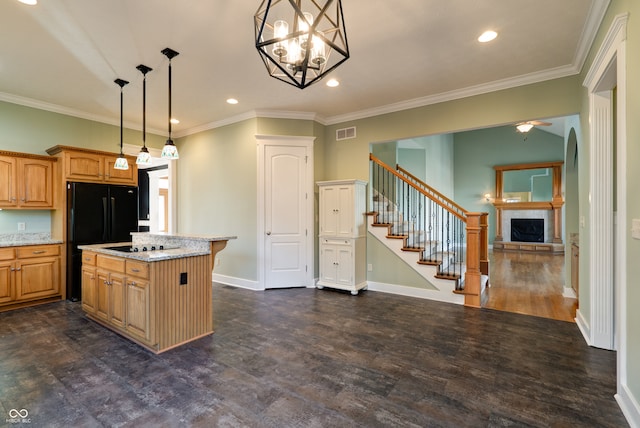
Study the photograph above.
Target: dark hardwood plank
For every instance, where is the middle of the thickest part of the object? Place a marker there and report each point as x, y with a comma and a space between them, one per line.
310, 358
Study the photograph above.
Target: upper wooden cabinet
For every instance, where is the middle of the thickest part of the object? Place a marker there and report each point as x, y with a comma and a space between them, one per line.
26, 181
94, 166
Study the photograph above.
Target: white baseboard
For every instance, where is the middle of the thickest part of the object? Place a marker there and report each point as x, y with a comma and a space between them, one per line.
236, 282
569, 293
421, 293
583, 326
402, 290
629, 406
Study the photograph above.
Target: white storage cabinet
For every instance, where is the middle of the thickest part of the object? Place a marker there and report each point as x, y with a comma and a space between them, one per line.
343, 245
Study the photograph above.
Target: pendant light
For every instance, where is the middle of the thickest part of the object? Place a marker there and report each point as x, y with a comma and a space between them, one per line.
169, 151
144, 158
306, 48
121, 162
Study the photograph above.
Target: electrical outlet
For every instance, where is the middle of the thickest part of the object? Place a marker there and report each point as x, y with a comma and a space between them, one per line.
22, 226
370, 267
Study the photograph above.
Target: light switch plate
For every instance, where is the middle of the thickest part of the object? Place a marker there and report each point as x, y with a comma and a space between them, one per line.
635, 228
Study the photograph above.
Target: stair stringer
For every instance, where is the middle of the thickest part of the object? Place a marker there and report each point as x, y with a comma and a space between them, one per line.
443, 291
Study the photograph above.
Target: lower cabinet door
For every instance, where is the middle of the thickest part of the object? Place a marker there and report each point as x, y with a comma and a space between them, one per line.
336, 263
37, 278
344, 265
328, 259
89, 289
117, 289
102, 295
6, 282
138, 308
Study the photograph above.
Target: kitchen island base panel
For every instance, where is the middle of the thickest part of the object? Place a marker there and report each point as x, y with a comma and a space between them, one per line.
166, 304
141, 343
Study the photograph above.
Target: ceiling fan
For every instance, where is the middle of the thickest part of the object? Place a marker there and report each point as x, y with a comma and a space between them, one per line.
525, 127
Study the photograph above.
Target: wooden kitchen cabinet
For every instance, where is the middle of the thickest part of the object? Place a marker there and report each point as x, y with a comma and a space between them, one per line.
116, 291
137, 294
149, 302
7, 283
89, 282
110, 290
29, 275
26, 181
94, 166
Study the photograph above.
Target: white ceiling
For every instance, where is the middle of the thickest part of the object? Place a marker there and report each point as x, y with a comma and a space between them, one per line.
63, 55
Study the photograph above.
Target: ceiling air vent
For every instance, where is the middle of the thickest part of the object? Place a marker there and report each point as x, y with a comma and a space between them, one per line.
345, 133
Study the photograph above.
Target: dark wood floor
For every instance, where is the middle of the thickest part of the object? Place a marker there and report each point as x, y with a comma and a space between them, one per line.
310, 358
530, 284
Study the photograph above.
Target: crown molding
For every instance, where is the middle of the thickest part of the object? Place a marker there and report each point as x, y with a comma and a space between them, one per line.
498, 85
54, 108
594, 20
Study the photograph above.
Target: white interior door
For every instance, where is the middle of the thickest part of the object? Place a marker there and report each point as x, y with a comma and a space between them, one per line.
287, 237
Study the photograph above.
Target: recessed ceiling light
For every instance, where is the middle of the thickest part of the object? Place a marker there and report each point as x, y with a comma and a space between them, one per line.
332, 83
29, 2
174, 121
487, 36
232, 101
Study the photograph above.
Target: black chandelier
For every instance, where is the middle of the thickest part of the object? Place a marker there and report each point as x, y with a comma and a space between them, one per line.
300, 41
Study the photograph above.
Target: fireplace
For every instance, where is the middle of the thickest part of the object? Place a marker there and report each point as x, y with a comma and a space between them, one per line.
527, 230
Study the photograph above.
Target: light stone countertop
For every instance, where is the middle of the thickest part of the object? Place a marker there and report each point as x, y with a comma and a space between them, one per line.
202, 242
22, 239
176, 246
145, 256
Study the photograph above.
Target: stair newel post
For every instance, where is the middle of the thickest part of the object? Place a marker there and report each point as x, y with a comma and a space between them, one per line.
473, 276
484, 244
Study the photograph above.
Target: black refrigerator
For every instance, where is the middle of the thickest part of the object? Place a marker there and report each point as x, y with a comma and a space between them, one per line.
96, 214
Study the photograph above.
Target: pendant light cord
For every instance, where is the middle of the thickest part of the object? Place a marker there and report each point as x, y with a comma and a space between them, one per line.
121, 122
169, 98
144, 111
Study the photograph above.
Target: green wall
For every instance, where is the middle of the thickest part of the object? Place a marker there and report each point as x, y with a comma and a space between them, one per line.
36, 221
477, 152
29, 130
217, 192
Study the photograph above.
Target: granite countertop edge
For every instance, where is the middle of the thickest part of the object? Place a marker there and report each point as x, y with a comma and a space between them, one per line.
24, 243
186, 236
145, 256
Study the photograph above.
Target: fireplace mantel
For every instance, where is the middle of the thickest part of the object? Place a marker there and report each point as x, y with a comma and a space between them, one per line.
554, 244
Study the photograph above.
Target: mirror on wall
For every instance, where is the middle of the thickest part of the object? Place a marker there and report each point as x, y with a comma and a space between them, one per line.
528, 185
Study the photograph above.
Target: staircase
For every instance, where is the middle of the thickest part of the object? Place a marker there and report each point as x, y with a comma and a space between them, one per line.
440, 240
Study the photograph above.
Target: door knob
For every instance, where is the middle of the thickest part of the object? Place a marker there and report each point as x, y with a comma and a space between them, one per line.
269, 233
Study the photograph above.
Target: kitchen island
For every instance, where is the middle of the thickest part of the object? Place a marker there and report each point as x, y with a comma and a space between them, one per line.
155, 290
